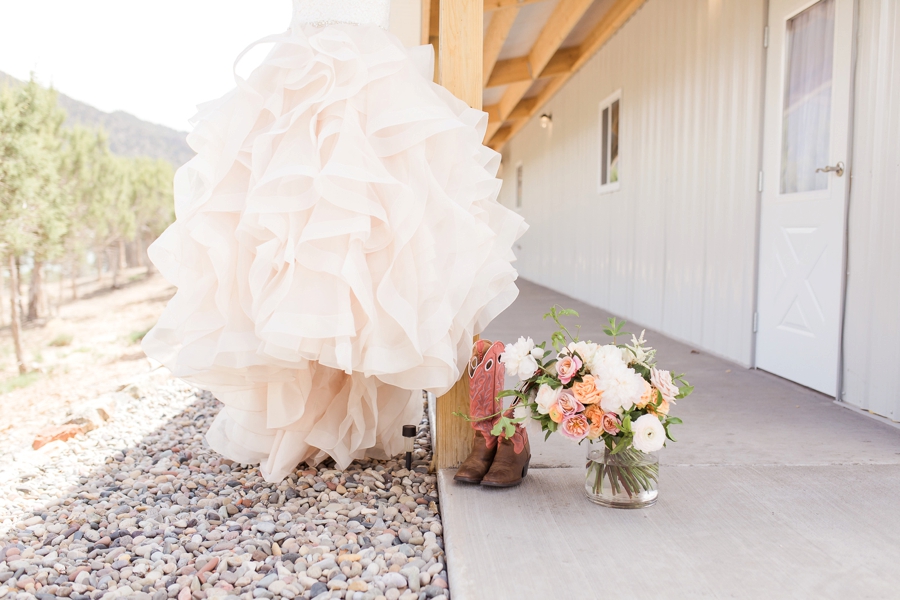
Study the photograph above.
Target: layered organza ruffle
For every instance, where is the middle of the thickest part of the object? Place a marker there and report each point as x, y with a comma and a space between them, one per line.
338, 242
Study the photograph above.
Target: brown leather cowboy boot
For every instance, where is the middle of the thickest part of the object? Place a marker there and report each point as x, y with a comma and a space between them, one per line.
510, 462
486, 380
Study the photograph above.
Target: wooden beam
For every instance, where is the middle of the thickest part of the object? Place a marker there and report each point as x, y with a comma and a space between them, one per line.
514, 92
493, 112
434, 16
523, 109
461, 44
434, 31
461, 63
490, 5
497, 31
562, 62
510, 70
557, 28
425, 31
500, 138
612, 21
563, 18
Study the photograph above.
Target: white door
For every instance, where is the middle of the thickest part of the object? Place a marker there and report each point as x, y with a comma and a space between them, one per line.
806, 181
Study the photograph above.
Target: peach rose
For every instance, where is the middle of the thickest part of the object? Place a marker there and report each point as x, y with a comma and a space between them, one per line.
586, 390
647, 396
575, 427
567, 403
594, 413
662, 409
596, 429
555, 414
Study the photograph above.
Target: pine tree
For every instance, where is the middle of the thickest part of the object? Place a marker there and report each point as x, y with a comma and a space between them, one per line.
29, 123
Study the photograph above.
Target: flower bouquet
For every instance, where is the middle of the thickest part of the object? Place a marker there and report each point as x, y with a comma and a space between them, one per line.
611, 395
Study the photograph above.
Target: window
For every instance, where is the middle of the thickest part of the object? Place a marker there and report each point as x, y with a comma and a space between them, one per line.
608, 173
519, 185
806, 125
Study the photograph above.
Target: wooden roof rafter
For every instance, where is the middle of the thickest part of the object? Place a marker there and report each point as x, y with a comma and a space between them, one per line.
513, 111
562, 20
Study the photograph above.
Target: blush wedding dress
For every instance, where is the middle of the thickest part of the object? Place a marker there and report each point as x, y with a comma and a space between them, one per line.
338, 242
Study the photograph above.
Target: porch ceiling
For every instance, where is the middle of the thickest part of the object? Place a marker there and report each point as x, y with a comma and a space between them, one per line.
531, 48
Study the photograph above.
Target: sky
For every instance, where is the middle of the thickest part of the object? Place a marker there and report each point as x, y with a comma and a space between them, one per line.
155, 59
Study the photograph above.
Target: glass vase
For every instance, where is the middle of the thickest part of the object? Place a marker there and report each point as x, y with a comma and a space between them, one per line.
629, 479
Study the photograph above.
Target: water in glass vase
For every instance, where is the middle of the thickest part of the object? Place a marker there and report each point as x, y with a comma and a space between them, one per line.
629, 479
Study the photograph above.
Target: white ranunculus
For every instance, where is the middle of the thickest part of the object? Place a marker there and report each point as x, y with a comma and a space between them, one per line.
649, 433
527, 367
621, 388
546, 397
662, 380
513, 354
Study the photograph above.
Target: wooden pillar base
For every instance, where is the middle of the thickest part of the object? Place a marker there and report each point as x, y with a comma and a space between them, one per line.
453, 435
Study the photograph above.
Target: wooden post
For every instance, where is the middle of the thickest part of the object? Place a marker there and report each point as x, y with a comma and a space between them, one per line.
460, 67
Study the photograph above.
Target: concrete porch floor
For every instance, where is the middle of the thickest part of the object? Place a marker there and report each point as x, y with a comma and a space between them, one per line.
772, 491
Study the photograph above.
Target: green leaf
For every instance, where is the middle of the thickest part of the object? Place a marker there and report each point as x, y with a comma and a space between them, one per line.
684, 391
668, 435
623, 443
506, 393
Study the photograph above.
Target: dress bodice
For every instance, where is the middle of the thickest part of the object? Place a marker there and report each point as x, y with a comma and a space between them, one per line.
356, 12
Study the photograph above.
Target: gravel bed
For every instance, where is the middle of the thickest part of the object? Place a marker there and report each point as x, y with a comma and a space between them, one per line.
142, 508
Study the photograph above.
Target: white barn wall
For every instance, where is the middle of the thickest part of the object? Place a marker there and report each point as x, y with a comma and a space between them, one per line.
872, 318
675, 247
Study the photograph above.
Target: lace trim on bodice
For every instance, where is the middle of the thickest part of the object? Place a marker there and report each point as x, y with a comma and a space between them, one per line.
320, 13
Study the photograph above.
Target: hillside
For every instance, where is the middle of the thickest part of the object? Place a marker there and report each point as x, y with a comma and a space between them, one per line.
128, 135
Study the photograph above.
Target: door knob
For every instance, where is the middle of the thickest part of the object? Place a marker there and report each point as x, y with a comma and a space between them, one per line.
837, 169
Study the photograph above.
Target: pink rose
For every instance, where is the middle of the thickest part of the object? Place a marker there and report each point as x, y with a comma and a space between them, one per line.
568, 404
662, 380
611, 423
575, 427
567, 367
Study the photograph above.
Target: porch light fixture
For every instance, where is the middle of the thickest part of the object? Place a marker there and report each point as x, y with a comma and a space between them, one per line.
546, 120
409, 438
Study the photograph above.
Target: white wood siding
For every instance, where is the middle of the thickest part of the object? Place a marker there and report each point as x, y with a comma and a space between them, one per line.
675, 247
872, 321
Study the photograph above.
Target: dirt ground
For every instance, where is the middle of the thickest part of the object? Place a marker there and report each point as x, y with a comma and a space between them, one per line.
88, 347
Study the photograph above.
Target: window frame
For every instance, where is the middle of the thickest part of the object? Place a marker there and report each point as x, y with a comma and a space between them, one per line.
606, 103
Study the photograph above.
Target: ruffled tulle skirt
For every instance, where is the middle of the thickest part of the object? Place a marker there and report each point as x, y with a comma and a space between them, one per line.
338, 242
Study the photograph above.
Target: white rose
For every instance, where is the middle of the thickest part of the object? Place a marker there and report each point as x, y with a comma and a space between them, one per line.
546, 397
527, 367
649, 434
662, 380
